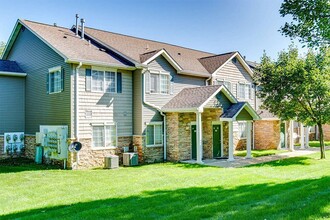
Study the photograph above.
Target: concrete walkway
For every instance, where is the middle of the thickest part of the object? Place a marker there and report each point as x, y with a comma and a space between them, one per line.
242, 161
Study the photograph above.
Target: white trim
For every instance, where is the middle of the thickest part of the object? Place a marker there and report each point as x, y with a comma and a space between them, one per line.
103, 69
52, 71
105, 135
4, 73
225, 91
99, 63
230, 142
241, 60
169, 59
160, 72
222, 147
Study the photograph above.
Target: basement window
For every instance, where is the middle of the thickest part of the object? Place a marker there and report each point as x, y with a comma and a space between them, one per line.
154, 134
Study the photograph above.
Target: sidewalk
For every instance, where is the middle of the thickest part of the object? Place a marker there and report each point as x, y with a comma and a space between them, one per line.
242, 161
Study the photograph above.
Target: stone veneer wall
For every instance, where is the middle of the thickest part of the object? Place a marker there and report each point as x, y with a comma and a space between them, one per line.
267, 134
148, 154
179, 134
326, 132
89, 158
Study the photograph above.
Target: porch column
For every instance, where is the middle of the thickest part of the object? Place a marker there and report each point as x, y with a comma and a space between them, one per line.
199, 137
248, 140
291, 142
302, 139
307, 129
221, 139
231, 142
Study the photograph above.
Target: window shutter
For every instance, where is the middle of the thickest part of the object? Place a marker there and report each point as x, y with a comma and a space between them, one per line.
47, 83
88, 80
119, 82
147, 82
62, 79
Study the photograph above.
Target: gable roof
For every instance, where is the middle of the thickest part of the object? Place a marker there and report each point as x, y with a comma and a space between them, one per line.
190, 99
212, 63
71, 47
10, 68
231, 113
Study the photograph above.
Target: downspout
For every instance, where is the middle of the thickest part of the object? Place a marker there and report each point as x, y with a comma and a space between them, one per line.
158, 109
77, 102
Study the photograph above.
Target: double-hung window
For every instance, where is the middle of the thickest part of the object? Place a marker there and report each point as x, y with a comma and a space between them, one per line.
159, 82
227, 84
55, 80
244, 91
104, 81
104, 136
154, 134
242, 130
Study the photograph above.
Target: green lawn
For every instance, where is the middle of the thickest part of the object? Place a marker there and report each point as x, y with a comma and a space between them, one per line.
259, 153
296, 188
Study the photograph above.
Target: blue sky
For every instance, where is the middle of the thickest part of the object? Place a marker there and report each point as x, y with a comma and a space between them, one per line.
217, 26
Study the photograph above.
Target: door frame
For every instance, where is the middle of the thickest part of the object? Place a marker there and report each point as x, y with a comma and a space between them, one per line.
221, 135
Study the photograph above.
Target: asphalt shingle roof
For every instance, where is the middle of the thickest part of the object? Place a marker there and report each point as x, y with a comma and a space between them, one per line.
66, 42
10, 66
148, 55
191, 97
212, 63
232, 110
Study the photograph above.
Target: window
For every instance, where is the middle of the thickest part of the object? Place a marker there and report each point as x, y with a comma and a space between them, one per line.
244, 91
159, 82
225, 83
155, 134
104, 136
55, 80
242, 130
104, 81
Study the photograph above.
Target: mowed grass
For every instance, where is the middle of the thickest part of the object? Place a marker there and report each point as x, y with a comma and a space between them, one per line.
295, 188
259, 153
316, 143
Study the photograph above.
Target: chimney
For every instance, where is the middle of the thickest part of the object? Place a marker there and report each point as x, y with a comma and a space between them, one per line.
77, 17
82, 28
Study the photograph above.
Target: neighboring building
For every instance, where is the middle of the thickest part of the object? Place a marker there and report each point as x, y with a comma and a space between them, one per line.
111, 90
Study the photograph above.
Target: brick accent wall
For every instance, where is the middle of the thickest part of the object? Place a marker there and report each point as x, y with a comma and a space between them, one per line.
267, 134
326, 132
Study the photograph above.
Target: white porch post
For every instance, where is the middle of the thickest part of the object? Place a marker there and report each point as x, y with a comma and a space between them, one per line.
291, 144
199, 137
307, 137
302, 139
221, 139
248, 140
231, 142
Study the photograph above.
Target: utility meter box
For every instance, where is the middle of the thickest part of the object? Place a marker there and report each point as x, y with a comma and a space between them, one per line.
130, 159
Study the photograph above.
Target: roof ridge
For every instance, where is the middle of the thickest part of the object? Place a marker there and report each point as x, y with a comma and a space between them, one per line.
218, 55
149, 40
153, 51
201, 87
36, 22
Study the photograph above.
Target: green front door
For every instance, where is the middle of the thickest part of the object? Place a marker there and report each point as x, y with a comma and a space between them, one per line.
193, 142
216, 141
282, 135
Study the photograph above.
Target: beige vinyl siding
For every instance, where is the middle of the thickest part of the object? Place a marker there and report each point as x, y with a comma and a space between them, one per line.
236, 73
105, 107
179, 82
137, 102
12, 107
35, 58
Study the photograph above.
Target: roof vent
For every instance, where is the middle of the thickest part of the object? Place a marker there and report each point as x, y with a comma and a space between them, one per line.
82, 28
77, 17
55, 25
102, 49
179, 53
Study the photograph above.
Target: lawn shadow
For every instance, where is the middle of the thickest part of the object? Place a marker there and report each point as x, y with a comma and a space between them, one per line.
299, 199
285, 162
20, 164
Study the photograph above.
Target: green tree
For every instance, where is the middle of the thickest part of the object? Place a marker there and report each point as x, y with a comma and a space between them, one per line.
297, 88
2, 47
311, 21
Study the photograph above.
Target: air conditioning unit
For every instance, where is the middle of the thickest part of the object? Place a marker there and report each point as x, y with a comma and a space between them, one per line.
111, 162
130, 159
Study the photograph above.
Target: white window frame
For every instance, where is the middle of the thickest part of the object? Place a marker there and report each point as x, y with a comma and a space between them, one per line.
159, 81
247, 95
242, 134
223, 82
154, 135
104, 125
104, 70
53, 71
